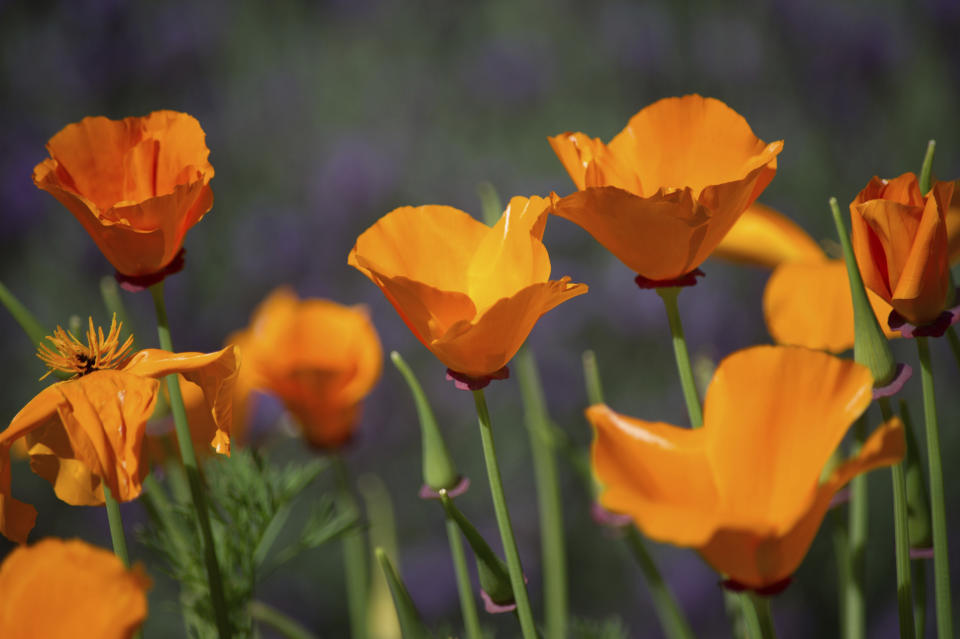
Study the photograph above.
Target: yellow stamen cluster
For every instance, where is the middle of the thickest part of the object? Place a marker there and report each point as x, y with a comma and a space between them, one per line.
70, 355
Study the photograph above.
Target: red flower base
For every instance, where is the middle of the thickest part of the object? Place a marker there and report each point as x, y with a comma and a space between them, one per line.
429, 493
936, 328
903, 373
765, 591
690, 279
137, 283
467, 382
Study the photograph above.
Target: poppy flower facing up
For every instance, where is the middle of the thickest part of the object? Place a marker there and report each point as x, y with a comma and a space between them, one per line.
319, 357
744, 490
666, 190
900, 240
469, 292
87, 432
60, 589
136, 185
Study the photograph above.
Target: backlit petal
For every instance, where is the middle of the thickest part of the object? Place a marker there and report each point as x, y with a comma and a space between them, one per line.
764, 237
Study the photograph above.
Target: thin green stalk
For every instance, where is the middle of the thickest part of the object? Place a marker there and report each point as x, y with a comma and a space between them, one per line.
901, 537
116, 526
855, 611
34, 330
764, 616
920, 604
527, 625
941, 566
554, 558
954, 344
926, 171
280, 622
591, 374
189, 458
672, 619
669, 297
354, 556
750, 616
468, 605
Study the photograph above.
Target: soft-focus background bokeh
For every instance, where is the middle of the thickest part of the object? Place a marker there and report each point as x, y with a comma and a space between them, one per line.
323, 116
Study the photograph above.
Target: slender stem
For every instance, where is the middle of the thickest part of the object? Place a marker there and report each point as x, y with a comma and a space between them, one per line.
941, 566
554, 558
672, 619
527, 625
354, 556
669, 297
926, 171
920, 604
901, 537
751, 617
591, 375
280, 622
468, 605
764, 616
855, 612
116, 526
189, 458
954, 344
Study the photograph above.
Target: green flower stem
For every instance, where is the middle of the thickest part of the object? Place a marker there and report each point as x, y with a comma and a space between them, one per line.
468, 605
591, 375
280, 622
941, 566
920, 603
527, 625
189, 458
764, 616
954, 344
855, 611
554, 559
672, 619
354, 555
669, 297
901, 539
116, 526
34, 330
926, 171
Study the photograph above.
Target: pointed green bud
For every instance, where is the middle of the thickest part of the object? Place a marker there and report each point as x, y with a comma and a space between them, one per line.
490, 203
492, 571
918, 501
411, 624
34, 330
926, 171
439, 471
870, 345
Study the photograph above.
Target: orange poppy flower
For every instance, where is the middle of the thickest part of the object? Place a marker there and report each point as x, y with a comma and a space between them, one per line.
900, 240
136, 185
665, 191
321, 358
59, 589
469, 292
745, 489
87, 432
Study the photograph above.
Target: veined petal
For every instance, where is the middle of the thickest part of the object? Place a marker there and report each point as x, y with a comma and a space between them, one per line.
576, 151
764, 237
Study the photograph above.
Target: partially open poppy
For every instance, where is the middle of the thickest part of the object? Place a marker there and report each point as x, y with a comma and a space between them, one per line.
136, 185
664, 192
59, 589
87, 432
744, 490
319, 357
900, 239
469, 292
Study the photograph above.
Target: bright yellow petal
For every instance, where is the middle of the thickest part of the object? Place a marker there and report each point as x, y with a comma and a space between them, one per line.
764, 237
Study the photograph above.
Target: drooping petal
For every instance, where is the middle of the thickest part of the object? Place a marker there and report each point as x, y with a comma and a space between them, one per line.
70, 590
777, 413
657, 473
764, 237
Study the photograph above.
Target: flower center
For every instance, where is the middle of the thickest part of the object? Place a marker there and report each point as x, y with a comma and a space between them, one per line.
70, 355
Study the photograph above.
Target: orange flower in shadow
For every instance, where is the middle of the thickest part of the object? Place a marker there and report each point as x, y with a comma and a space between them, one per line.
744, 490
87, 432
319, 357
469, 292
664, 192
59, 589
900, 240
136, 185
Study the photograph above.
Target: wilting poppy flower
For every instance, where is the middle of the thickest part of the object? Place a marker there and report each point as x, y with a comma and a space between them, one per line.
900, 240
664, 192
136, 185
59, 589
87, 432
321, 358
744, 490
469, 292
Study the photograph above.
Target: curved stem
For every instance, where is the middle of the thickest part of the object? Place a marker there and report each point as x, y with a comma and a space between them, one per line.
468, 605
116, 526
189, 458
669, 297
764, 616
672, 619
354, 555
280, 622
941, 566
855, 612
527, 625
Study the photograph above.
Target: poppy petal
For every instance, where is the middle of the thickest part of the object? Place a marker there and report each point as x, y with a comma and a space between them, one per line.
764, 237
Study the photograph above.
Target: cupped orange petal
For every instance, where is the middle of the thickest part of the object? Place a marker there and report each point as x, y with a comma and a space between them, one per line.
764, 237
59, 589
657, 473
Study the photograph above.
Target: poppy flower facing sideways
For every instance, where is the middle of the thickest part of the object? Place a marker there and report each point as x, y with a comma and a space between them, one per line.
664, 192
60, 589
745, 490
469, 292
136, 185
900, 241
87, 432
319, 357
